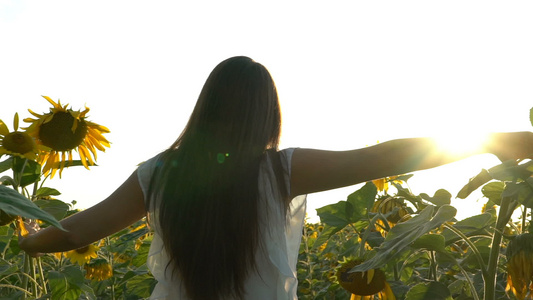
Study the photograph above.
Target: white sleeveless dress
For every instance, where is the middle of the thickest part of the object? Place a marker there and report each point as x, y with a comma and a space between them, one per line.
281, 236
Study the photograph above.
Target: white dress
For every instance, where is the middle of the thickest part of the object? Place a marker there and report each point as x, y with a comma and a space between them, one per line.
281, 236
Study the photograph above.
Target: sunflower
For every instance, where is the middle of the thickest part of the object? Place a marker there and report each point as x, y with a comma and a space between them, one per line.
394, 209
82, 255
17, 143
520, 266
63, 130
364, 285
98, 269
382, 184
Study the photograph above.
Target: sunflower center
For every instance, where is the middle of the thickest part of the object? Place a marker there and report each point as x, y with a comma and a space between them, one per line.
58, 135
358, 283
18, 142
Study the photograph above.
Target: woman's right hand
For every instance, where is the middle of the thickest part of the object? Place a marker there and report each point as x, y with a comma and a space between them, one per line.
32, 227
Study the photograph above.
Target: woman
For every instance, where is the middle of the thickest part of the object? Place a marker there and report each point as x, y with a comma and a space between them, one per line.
227, 207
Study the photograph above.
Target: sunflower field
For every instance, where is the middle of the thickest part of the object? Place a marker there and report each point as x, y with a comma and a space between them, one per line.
376, 244
381, 245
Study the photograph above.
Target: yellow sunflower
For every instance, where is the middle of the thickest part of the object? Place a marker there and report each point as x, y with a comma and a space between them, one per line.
520, 266
395, 209
382, 184
63, 130
17, 143
99, 269
364, 285
82, 255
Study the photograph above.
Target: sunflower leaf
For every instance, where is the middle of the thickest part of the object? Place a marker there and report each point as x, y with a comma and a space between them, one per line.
429, 291
6, 164
404, 234
57, 208
474, 183
6, 180
14, 203
66, 283
46, 191
440, 198
28, 171
362, 201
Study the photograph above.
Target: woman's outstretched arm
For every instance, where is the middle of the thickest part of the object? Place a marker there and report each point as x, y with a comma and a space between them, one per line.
121, 209
318, 170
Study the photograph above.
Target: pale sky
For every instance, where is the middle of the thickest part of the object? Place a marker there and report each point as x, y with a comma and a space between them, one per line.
349, 73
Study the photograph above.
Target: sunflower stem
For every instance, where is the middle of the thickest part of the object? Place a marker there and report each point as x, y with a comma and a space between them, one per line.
472, 246
25, 270
33, 277
433, 265
10, 286
467, 277
507, 206
41, 272
34, 192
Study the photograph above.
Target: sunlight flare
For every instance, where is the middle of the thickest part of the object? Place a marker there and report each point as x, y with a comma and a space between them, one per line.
460, 144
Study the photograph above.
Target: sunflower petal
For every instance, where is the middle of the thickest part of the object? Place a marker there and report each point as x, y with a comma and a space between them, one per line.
83, 157
96, 134
62, 164
87, 154
16, 122
3, 128
34, 114
50, 100
369, 276
89, 145
389, 295
74, 125
21, 227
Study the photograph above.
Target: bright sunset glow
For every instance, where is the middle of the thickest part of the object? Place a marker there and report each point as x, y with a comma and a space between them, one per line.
460, 144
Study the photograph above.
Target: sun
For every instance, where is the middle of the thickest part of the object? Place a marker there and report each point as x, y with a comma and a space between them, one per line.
63, 130
461, 143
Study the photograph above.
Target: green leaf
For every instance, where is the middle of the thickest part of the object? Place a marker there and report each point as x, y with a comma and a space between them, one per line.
14, 203
29, 170
57, 208
6, 180
66, 284
474, 183
429, 291
406, 233
140, 286
362, 200
525, 194
432, 242
324, 236
334, 214
493, 191
46, 191
142, 255
469, 227
441, 197
509, 171
6, 164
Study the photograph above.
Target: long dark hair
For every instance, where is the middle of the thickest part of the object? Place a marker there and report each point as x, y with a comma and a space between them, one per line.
206, 185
